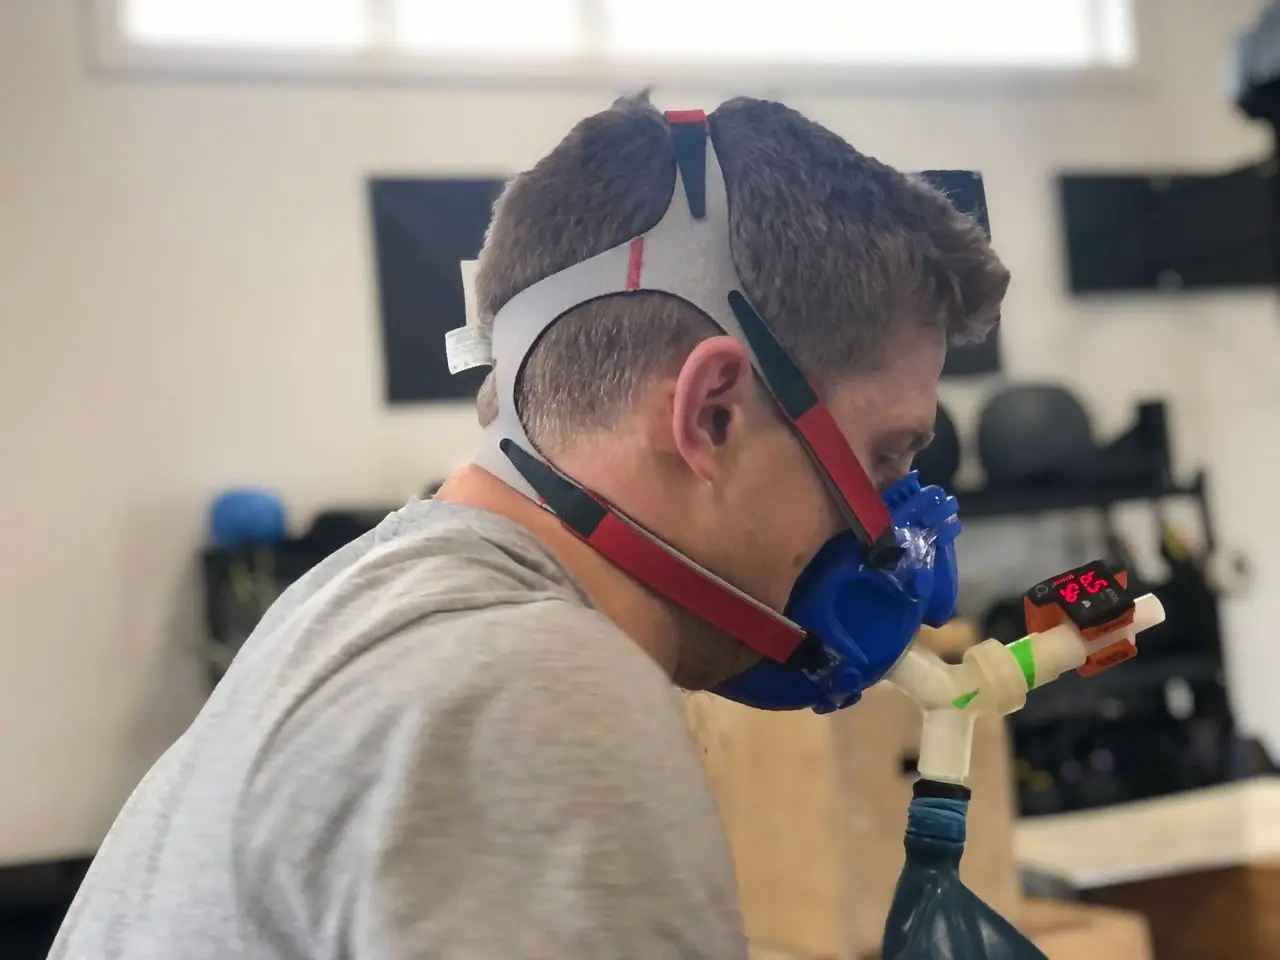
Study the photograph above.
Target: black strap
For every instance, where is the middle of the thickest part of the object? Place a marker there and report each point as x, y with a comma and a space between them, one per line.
690, 143
811, 656
786, 382
576, 508
943, 791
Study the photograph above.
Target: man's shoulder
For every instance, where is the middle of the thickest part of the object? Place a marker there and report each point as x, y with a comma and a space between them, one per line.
549, 651
549, 632
434, 590
548, 648
512, 690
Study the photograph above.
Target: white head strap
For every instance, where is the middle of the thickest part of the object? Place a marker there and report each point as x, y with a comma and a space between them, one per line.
687, 255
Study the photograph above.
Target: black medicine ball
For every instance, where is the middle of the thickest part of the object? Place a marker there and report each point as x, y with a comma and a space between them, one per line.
1033, 433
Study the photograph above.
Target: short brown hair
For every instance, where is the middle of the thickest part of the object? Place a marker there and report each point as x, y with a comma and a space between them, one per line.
833, 247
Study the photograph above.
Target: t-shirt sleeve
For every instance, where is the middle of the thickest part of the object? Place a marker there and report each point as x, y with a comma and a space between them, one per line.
557, 810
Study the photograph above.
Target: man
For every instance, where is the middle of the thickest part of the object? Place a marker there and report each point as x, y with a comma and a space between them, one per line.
457, 737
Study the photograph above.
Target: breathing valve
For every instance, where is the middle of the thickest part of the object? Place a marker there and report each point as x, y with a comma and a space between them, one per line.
1084, 619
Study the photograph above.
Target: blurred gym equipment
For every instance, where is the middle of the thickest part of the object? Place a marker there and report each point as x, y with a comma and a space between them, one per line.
1033, 433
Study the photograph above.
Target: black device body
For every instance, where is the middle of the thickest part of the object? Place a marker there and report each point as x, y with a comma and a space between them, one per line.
1091, 596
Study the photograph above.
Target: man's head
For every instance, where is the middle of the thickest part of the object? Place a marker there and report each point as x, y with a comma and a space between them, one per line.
861, 272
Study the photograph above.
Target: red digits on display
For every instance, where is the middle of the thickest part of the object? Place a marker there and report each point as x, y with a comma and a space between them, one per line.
1089, 583
1070, 589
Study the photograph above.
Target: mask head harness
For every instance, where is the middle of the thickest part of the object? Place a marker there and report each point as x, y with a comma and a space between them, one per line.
686, 255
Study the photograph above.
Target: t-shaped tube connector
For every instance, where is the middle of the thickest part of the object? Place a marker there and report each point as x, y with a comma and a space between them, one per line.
994, 678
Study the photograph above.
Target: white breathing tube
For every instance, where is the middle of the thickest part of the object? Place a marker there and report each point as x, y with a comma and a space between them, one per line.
993, 678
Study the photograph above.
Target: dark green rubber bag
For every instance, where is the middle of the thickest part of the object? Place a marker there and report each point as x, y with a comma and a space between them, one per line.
934, 916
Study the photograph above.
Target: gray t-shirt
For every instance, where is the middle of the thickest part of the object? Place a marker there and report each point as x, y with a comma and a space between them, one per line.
433, 746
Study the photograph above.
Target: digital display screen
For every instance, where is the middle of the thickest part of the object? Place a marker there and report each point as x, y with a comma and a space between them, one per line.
1091, 596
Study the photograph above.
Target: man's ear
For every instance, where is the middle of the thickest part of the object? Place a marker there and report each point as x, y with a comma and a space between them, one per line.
709, 401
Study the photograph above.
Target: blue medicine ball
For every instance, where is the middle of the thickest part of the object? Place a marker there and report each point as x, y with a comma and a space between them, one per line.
246, 516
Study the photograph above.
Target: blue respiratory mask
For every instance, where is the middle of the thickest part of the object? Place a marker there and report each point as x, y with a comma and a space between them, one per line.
864, 617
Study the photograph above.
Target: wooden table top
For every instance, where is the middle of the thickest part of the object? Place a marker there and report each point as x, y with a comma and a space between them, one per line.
1231, 825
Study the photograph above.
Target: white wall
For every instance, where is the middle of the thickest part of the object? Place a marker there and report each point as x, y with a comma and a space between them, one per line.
187, 301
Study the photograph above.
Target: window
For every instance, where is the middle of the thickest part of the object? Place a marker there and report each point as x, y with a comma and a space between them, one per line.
256, 24
540, 28
870, 32
650, 40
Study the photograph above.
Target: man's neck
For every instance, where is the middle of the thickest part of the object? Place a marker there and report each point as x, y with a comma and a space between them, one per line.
647, 619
